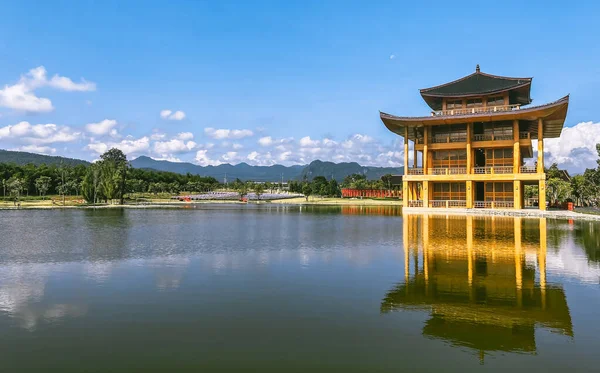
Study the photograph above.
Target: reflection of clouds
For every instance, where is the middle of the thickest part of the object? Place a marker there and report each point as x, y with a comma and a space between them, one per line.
22, 293
571, 261
168, 270
98, 271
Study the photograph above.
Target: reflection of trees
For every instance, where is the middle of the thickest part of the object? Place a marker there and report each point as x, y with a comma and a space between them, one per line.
588, 236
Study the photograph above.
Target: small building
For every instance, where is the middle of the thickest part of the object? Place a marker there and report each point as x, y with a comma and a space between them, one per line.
470, 151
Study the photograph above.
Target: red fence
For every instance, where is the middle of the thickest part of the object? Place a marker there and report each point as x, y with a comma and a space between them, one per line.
371, 193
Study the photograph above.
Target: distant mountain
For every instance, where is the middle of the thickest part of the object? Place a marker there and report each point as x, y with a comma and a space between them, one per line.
242, 171
340, 170
23, 158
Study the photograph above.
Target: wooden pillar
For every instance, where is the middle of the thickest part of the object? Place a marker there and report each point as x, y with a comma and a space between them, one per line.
415, 154
405, 150
470, 194
517, 194
469, 152
425, 153
542, 195
540, 160
425, 193
404, 193
516, 148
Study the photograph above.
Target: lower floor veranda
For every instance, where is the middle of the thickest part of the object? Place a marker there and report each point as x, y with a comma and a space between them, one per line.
471, 194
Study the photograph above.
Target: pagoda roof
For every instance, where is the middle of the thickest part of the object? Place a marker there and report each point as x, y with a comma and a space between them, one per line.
477, 84
553, 115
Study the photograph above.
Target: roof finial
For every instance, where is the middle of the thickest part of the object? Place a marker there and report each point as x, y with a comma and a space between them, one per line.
477, 68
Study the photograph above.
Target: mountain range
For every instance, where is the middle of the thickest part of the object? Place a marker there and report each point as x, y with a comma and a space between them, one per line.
242, 171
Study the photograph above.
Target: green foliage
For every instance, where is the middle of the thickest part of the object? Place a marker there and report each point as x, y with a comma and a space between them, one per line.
259, 189
42, 184
307, 190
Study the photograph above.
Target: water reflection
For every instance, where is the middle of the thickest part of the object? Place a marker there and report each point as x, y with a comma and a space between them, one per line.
482, 280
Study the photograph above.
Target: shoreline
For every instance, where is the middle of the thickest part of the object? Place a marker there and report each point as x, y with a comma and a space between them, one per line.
527, 213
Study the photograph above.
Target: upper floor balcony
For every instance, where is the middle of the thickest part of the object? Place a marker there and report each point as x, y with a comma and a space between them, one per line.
452, 138
487, 170
475, 110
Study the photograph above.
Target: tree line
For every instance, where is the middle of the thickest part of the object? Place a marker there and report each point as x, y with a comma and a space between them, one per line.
106, 180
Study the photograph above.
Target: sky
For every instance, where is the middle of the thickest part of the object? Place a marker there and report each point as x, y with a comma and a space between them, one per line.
276, 82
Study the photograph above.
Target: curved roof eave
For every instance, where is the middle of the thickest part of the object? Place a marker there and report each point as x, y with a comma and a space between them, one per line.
396, 124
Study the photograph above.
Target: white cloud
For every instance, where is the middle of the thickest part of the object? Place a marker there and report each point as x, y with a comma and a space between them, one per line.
265, 141
307, 142
237, 146
170, 115
129, 145
21, 96
37, 149
203, 159
575, 149
24, 132
185, 136
392, 56
221, 134
158, 136
101, 128
173, 146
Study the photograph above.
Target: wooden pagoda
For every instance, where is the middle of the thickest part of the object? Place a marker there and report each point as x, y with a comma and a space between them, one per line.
470, 151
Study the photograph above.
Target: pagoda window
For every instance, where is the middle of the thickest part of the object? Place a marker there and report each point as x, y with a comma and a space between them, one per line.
498, 131
450, 159
449, 191
450, 133
474, 102
499, 157
454, 104
495, 101
495, 191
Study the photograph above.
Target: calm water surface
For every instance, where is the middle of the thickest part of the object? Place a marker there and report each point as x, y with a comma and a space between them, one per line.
284, 288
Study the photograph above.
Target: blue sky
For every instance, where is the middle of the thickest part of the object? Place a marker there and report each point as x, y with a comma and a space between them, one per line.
275, 82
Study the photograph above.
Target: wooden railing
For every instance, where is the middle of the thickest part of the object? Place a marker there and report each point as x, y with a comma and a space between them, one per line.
415, 171
493, 204
493, 170
491, 137
528, 169
448, 203
447, 171
448, 139
475, 110
524, 135
415, 203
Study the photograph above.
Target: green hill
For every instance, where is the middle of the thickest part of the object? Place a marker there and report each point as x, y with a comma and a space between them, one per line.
23, 158
340, 170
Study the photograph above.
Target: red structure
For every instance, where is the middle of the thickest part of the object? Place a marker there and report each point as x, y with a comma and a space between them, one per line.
371, 193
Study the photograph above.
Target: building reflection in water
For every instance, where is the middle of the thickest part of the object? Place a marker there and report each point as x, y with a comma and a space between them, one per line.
475, 278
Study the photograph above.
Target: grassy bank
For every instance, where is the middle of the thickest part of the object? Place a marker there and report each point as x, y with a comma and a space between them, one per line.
340, 201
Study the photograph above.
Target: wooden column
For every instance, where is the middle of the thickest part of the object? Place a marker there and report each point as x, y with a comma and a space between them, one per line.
540, 157
415, 154
405, 150
470, 194
542, 195
469, 152
425, 193
516, 148
425, 153
404, 193
517, 194
540, 166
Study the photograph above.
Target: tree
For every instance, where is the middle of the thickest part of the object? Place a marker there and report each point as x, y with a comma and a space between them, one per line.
42, 184
259, 189
269, 186
306, 190
334, 188
115, 162
387, 180
241, 187
557, 190
15, 186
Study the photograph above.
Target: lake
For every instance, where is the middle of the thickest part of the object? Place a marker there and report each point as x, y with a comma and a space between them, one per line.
287, 288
